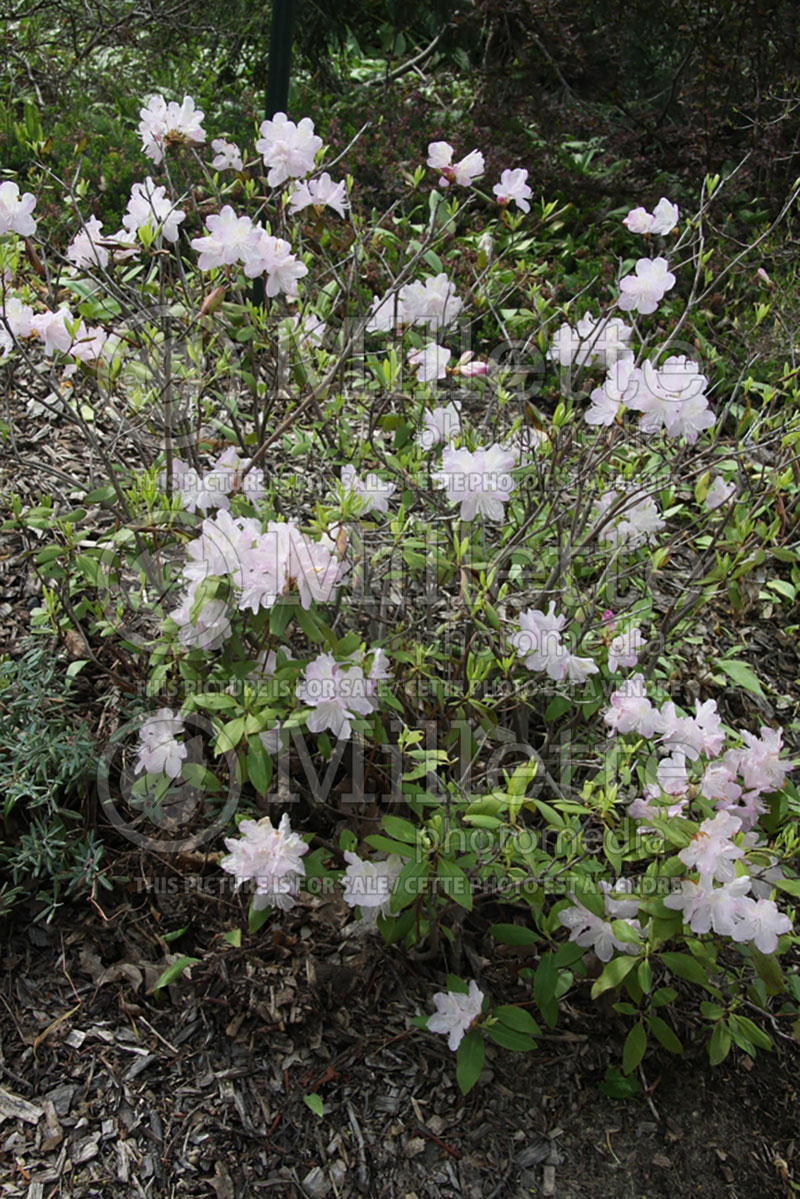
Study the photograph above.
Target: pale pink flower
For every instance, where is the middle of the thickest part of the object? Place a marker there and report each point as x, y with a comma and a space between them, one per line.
320, 193
52, 328
719, 493
270, 857
623, 650
85, 249
440, 424
631, 710
665, 217
368, 885
228, 240
151, 205
513, 186
463, 172
593, 932
455, 1014
433, 303
479, 481
373, 491
704, 906
227, 155
273, 256
644, 290
163, 123
288, 150
159, 751
337, 692
16, 212
711, 851
639, 220
16, 323
762, 923
431, 362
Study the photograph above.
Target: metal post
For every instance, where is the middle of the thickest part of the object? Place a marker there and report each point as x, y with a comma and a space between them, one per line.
278, 72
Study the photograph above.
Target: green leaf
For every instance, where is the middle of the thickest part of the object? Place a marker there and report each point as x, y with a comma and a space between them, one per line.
172, 973
769, 970
557, 707
259, 765
234, 937
509, 1038
410, 884
719, 1045
790, 885
469, 1060
664, 1034
514, 934
741, 674
753, 1033
399, 829
176, 934
314, 1103
376, 841
517, 1018
685, 967
617, 1086
545, 981
310, 625
613, 974
633, 1049
454, 883
257, 917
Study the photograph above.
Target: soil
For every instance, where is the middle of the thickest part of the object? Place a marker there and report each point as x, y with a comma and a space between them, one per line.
108, 1090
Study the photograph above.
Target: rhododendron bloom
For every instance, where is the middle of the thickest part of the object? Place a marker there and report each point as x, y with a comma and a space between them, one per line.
159, 751
337, 692
16, 322
639, 220
288, 150
711, 851
470, 367
431, 362
463, 172
619, 900
456, 1013
373, 491
665, 216
228, 240
433, 303
273, 256
16, 212
270, 857
85, 249
162, 124
539, 641
694, 735
151, 205
644, 290
719, 493
513, 186
602, 340
592, 932
761, 922
207, 629
368, 885
671, 774
634, 525
623, 650
662, 220
386, 315
440, 424
480, 482
52, 328
631, 710
704, 906
227, 156
320, 193
760, 763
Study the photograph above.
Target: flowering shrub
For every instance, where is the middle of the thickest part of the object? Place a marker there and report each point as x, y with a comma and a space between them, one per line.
336, 540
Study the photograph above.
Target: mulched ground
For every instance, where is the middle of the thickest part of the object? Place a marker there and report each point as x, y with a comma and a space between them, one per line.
106, 1091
